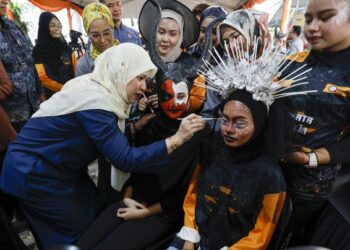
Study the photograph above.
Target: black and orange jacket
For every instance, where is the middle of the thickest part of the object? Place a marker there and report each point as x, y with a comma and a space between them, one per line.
54, 81
322, 119
233, 205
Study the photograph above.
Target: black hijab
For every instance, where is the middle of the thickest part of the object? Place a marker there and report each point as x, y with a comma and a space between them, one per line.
255, 146
48, 50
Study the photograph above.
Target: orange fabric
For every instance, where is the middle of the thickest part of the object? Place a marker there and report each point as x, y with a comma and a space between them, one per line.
69, 16
189, 205
260, 236
251, 3
6, 86
197, 95
7, 132
74, 62
56, 5
47, 81
285, 16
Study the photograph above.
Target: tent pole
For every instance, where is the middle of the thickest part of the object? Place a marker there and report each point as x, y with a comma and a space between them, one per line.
285, 15
69, 16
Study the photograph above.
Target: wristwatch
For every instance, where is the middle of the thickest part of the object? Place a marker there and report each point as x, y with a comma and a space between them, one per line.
313, 160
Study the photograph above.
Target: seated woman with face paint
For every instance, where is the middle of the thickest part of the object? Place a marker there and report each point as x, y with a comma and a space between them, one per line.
98, 24
240, 28
237, 191
45, 168
178, 29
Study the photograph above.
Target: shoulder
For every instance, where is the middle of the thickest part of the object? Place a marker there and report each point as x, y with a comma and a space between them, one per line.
273, 175
299, 57
129, 29
186, 58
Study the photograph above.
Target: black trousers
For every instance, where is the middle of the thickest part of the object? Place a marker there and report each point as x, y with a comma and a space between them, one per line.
305, 214
109, 232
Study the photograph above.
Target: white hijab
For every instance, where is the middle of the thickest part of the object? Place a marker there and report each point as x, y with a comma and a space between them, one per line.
105, 87
176, 51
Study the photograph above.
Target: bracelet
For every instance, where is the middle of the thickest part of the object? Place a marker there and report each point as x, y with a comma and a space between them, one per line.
313, 160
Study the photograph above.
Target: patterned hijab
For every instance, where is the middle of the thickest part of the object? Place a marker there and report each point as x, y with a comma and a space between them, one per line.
250, 24
92, 12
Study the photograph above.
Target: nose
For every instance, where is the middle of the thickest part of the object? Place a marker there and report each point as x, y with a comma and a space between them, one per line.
143, 85
313, 26
165, 38
103, 39
230, 128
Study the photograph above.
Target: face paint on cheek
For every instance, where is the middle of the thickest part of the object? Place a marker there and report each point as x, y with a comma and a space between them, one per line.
342, 16
171, 104
180, 93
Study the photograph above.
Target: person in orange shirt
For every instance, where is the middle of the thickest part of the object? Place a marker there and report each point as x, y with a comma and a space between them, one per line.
54, 60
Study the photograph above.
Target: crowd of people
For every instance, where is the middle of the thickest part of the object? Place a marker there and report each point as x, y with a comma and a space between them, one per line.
206, 132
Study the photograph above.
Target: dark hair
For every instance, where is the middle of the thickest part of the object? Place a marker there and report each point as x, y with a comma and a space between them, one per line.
199, 8
296, 29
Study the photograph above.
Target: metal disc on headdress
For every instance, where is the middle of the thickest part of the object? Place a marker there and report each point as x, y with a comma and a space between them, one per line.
149, 11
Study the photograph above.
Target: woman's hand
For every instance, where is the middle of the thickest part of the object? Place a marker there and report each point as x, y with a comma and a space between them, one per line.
153, 101
129, 213
189, 125
139, 124
130, 203
302, 158
142, 105
299, 157
188, 245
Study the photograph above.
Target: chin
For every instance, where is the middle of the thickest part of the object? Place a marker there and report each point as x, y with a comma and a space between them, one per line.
174, 115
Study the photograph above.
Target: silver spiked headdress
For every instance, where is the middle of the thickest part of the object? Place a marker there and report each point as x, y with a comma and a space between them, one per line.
258, 75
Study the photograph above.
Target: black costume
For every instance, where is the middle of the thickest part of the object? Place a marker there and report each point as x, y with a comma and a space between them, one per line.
54, 59
322, 118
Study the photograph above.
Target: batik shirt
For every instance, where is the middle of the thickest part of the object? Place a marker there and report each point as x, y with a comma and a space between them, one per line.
15, 54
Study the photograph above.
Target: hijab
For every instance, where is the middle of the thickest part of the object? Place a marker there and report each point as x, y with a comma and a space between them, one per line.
255, 145
48, 50
251, 25
176, 51
92, 12
105, 87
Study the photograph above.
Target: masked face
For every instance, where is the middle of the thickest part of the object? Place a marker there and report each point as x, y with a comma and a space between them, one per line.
173, 98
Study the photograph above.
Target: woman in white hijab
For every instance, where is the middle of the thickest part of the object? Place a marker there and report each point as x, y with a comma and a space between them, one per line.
46, 166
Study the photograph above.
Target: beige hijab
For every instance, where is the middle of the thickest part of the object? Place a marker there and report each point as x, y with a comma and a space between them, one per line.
105, 87
176, 51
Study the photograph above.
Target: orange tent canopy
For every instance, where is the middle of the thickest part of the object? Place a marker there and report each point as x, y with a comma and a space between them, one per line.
56, 5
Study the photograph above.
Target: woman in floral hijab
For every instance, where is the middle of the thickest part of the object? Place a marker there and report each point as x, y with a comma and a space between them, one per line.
98, 24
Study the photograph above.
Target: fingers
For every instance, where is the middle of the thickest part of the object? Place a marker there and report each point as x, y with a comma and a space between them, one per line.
149, 116
142, 104
138, 205
153, 101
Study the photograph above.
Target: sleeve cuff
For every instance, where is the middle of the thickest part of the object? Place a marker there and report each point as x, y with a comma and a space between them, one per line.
223, 248
189, 234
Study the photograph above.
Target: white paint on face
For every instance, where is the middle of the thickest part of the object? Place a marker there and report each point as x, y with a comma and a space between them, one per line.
180, 93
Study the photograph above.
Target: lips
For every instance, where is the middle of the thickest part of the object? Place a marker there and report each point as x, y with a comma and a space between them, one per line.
229, 139
313, 39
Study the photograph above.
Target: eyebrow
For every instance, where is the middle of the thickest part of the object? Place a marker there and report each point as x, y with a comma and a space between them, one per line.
321, 12
96, 32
